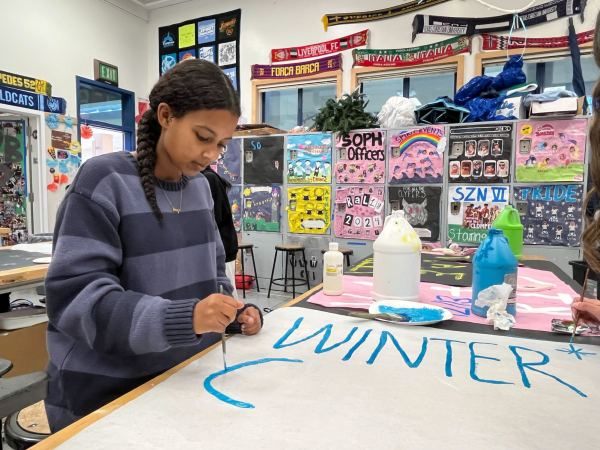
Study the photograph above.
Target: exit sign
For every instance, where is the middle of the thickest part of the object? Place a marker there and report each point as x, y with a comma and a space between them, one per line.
107, 73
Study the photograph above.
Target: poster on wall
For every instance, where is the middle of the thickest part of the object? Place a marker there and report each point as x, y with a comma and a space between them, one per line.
309, 158
551, 150
472, 210
261, 208
480, 153
312, 249
551, 215
359, 212
421, 206
229, 164
263, 160
309, 209
235, 201
361, 158
417, 156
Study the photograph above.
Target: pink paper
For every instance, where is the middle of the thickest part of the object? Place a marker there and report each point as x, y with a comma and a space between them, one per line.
361, 158
359, 212
535, 310
414, 156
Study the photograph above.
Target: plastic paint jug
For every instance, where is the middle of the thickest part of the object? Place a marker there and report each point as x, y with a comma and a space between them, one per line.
333, 270
509, 222
494, 263
397, 261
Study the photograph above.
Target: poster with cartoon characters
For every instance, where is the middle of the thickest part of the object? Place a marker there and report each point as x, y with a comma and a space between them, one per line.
551, 215
235, 201
417, 156
261, 208
421, 206
361, 158
551, 150
480, 153
309, 209
359, 212
472, 210
309, 158
229, 164
263, 160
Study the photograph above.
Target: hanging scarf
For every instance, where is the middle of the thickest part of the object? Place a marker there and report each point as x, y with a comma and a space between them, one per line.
494, 42
322, 49
535, 15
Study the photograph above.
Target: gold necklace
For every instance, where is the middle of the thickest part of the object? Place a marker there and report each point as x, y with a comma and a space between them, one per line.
180, 200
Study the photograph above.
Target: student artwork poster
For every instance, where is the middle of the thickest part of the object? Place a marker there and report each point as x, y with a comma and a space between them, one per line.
359, 212
309, 158
421, 206
263, 160
261, 208
551, 215
472, 210
235, 201
361, 158
551, 150
229, 163
480, 154
415, 156
309, 209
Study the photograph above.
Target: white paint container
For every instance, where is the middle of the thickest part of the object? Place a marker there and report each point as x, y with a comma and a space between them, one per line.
397, 261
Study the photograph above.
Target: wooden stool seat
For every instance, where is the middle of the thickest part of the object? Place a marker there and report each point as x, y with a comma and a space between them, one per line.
245, 246
347, 252
289, 248
27, 427
290, 256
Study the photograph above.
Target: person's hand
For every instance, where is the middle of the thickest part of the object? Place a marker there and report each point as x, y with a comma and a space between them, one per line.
249, 319
588, 310
215, 313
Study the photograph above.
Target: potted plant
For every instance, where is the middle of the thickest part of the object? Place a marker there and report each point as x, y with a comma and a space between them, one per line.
346, 114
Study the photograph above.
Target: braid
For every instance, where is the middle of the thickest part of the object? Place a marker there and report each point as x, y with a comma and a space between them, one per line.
148, 134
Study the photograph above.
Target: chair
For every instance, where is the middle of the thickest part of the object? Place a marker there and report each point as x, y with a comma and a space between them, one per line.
290, 255
242, 246
347, 252
27, 427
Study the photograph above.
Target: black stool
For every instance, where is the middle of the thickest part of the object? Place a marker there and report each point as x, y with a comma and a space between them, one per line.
290, 252
18, 436
250, 247
347, 252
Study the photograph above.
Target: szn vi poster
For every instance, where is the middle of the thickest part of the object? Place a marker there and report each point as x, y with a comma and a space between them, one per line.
361, 158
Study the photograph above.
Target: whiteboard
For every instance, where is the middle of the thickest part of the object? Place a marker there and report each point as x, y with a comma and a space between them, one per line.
353, 396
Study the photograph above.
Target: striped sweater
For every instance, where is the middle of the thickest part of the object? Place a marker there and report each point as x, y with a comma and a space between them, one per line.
121, 289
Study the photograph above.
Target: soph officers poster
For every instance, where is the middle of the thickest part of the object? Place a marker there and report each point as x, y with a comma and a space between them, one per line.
480, 153
361, 158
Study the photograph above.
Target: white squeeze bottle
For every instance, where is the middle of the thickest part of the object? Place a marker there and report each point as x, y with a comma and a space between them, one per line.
333, 270
397, 261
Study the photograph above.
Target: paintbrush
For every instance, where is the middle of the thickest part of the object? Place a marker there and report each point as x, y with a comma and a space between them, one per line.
576, 317
384, 316
223, 338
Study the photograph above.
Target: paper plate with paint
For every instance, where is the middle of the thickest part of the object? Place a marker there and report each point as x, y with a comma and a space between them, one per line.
418, 313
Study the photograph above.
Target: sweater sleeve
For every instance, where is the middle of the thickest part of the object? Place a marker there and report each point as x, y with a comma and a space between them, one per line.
85, 299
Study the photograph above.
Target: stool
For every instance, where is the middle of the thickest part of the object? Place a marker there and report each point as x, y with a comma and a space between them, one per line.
27, 427
250, 247
289, 251
347, 252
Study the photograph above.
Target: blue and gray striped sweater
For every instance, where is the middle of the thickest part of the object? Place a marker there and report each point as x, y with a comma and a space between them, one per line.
121, 289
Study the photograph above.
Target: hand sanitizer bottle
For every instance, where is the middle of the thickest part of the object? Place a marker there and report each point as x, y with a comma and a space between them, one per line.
333, 270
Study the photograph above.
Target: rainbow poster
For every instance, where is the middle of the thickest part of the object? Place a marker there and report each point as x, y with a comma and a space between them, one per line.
416, 156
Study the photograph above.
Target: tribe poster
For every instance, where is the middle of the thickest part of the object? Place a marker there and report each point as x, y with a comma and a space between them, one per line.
551, 150
472, 210
261, 208
309, 158
421, 206
312, 248
359, 212
309, 209
263, 160
415, 157
361, 157
229, 164
235, 201
551, 215
480, 153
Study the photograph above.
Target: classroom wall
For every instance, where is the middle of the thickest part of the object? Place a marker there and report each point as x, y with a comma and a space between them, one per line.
268, 24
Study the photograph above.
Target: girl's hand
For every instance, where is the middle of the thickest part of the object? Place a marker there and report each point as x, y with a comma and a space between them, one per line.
250, 321
215, 313
588, 310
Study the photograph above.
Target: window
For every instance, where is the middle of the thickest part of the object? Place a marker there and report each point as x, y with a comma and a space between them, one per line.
100, 105
102, 141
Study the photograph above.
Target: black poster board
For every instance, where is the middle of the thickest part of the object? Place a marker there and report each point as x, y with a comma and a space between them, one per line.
215, 38
480, 153
421, 206
263, 160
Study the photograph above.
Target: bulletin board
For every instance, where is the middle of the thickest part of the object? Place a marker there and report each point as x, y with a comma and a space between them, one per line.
214, 38
229, 164
421, 206
309, 158
416, 156
263, 160
552, 150
359, 212
309, 209
551, 215
472, 210
361, 158
480, 153
235, 201
261, 208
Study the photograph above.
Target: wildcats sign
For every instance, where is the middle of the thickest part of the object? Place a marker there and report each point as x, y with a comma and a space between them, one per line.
322, 49
323, 65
